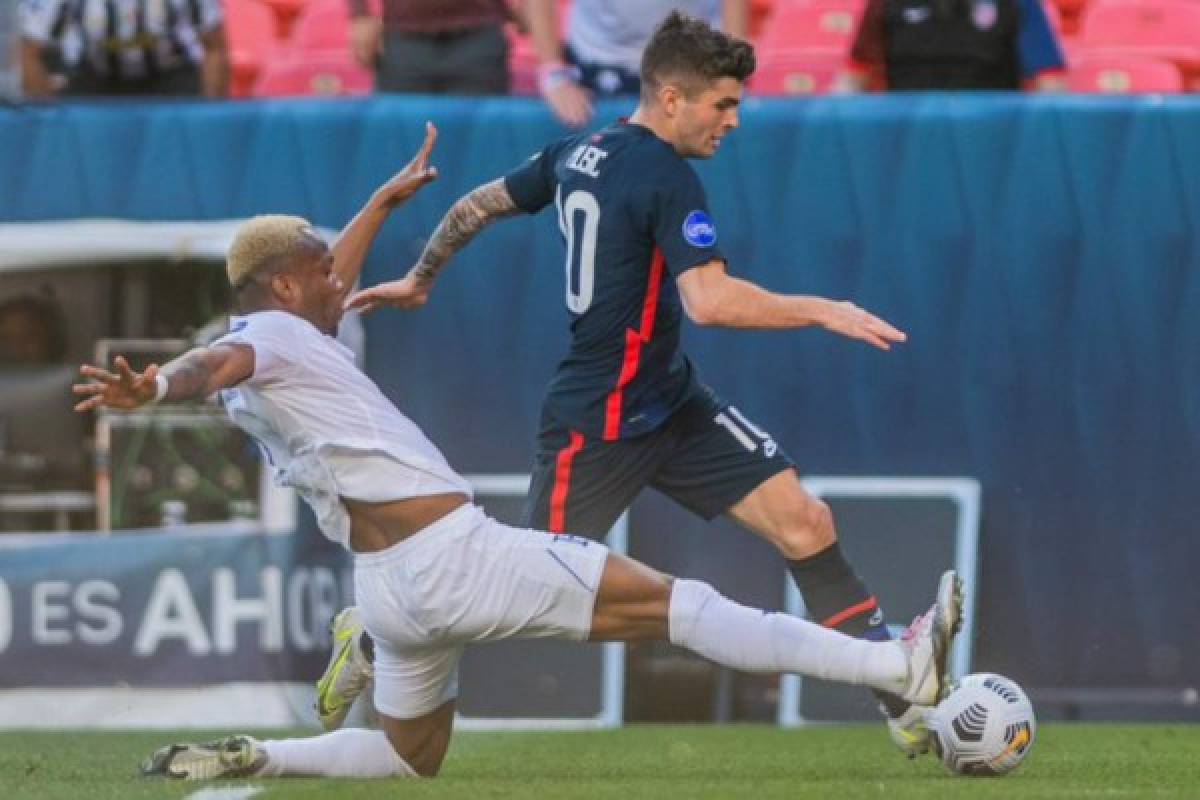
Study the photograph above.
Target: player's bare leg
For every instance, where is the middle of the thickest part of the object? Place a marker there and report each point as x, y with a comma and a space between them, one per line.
422, 742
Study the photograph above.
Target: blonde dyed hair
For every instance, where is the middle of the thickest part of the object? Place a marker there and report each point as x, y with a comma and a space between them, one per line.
263, 241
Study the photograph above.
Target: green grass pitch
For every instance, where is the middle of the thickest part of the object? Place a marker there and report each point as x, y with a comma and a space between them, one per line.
659, 762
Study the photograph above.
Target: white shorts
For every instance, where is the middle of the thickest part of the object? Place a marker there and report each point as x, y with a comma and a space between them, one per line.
467, 578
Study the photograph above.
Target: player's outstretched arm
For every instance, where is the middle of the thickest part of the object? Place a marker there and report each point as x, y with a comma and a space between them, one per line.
350, 249
467, 217
711, 296
193, 376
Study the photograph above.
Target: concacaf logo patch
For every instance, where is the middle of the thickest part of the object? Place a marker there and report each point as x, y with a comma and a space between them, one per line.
698, 230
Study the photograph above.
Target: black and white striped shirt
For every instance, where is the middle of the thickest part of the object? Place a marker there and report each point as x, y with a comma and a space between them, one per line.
122, 39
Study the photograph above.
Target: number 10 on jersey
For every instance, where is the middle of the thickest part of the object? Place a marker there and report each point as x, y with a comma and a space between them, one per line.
579, 220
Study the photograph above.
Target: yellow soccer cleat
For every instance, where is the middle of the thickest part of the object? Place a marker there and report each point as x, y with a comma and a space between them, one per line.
347, 673
910, 731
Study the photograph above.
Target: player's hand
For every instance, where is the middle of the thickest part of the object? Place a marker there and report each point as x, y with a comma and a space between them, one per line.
570, 102
849, 320
366, 40
405, 183
124, 389
406, 293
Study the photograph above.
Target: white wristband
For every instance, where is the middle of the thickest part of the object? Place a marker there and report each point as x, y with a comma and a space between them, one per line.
160, 381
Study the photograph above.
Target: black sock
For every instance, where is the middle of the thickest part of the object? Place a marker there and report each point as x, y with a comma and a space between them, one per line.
837, 598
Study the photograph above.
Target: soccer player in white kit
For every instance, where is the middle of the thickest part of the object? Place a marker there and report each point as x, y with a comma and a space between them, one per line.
432, 572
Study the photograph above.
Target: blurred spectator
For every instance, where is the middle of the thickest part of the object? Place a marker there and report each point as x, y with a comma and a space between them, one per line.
124, 47
32, 332
603, 49
954, 44
434, 46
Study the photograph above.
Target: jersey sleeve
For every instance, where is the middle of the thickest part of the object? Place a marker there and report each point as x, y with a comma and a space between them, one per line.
1037, 47
683, 227
532, 185
268, 335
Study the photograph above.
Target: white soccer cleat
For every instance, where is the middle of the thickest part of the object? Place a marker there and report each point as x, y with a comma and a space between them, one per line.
927, 644
347, 673
232, 757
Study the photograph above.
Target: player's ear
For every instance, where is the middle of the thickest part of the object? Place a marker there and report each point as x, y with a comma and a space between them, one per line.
284, 286
669, 96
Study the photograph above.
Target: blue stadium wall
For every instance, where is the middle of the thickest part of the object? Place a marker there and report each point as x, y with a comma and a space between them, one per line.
1042, 254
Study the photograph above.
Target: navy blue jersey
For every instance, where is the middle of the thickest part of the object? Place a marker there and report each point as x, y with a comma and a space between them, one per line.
633, 216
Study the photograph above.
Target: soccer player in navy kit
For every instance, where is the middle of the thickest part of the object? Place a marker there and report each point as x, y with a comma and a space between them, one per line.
625, 409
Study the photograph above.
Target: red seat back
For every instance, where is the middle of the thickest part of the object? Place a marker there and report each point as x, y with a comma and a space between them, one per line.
816, 26
322, 25
314, 74
790, 73
1162, 25
1100, 74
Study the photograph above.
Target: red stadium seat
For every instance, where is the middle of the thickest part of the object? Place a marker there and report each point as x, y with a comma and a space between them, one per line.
325, 74
816, 26
1071, 12
759, 12
286, 12
1119, 75
794, 74
1161, 29
324, 25
253, 40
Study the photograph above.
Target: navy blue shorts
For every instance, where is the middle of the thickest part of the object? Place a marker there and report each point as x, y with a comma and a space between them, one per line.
706, 457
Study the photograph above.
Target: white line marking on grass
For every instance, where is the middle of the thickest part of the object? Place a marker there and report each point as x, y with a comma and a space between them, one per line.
237, 793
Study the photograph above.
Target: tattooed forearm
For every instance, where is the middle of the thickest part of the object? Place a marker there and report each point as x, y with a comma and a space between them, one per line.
462, 222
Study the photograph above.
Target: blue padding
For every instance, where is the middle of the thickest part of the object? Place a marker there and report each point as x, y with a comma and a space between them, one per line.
1042, 253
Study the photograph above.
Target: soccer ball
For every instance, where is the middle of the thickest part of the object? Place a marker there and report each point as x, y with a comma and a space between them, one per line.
985, 726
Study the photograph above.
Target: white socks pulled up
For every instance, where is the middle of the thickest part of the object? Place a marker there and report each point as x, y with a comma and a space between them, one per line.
347, 753
748, 639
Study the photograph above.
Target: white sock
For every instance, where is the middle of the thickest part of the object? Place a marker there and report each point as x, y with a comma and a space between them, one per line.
748, 639
346, 753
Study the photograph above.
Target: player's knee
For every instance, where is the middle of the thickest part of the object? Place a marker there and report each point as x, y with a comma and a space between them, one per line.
688, 599
425, 758
806, 527
423, 742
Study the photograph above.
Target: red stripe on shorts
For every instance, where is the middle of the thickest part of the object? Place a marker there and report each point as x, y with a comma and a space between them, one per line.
562, 483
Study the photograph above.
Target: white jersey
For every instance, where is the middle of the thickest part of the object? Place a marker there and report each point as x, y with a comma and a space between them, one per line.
123, 38
324, 426
613, 33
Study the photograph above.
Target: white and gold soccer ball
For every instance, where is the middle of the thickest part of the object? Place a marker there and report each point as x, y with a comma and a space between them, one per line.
985, 726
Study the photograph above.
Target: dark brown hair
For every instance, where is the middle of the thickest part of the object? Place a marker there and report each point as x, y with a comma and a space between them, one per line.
686, 51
